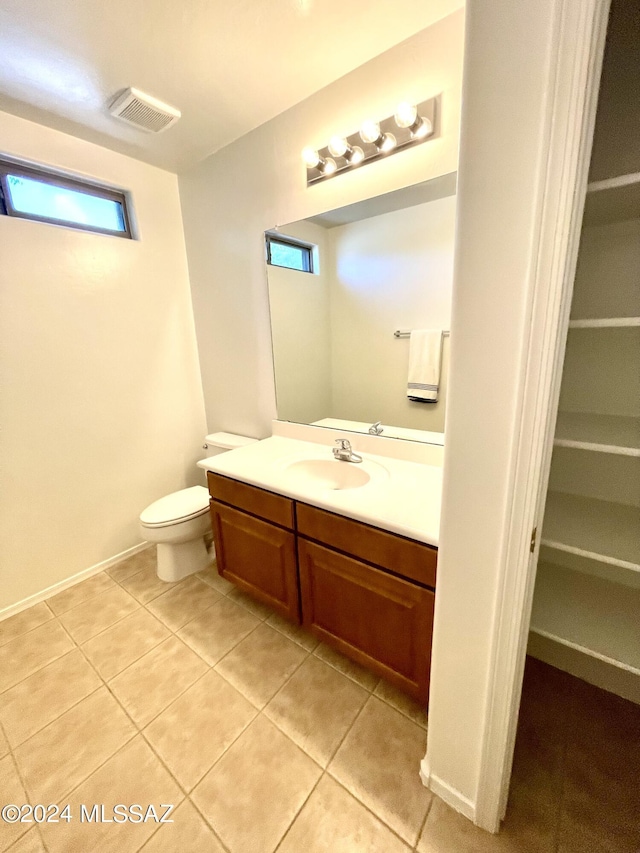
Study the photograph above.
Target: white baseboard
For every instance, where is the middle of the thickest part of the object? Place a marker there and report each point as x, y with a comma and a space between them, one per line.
50, 591
446, 793
585, 666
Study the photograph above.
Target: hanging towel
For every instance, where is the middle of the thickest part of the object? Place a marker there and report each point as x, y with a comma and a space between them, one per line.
425, 358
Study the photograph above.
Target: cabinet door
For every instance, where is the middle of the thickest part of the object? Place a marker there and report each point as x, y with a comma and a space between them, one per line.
381, 621
257, 556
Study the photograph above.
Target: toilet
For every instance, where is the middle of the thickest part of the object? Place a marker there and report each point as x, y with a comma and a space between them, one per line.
179, 522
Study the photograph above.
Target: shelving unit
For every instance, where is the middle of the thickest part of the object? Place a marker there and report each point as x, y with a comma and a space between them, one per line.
599, 433
600, 530
594, 616
587, 594
613, 200
605, 323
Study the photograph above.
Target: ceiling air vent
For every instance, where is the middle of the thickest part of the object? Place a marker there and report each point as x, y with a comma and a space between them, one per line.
143, 111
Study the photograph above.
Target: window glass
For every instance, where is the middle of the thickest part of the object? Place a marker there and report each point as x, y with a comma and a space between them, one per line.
33, 193
294, 256
29, 195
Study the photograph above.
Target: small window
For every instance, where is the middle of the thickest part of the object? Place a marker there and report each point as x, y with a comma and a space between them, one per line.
32, 193
285, 252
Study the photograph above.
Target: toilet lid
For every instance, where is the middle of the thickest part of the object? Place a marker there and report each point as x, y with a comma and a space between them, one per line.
178, 506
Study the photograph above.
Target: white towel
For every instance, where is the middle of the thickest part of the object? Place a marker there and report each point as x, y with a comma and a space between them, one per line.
425, 358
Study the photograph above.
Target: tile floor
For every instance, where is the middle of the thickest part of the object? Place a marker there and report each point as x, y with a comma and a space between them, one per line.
123, 690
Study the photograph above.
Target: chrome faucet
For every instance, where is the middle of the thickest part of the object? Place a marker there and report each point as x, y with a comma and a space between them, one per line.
345, 453
375, 429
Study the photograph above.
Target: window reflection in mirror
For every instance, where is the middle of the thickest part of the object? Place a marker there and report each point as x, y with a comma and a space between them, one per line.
385, 264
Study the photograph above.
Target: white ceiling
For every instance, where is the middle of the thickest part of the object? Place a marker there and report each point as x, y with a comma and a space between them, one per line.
228, 65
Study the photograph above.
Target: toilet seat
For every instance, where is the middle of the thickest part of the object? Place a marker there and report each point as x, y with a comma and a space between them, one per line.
176, 508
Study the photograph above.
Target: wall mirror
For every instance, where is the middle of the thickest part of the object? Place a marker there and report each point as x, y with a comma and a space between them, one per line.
377, 267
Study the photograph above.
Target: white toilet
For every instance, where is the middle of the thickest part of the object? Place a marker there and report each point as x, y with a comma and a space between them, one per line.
179, 522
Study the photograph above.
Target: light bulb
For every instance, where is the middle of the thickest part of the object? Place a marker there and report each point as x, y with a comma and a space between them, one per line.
388, 143
338, 146
329, 166
357, 156
370, 131
423, 128
405, 114
310, 157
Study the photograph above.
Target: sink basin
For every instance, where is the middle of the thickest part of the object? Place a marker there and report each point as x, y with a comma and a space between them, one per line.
332, 474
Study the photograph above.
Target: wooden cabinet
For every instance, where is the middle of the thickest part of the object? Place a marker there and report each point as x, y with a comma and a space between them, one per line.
255, 554
365, 591
379, 620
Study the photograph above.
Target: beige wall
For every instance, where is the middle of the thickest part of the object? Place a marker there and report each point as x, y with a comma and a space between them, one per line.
230, 199
102, 407
299, 308
390, 272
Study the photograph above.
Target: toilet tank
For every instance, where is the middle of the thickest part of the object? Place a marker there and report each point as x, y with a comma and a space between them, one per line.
219, 442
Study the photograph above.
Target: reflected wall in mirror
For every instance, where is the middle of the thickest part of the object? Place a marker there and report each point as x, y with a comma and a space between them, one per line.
381, 265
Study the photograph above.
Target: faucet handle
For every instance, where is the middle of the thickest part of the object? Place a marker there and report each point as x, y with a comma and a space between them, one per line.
344, 443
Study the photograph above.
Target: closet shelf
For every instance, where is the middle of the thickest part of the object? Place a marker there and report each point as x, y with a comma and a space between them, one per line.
599, 433
596, 529
605, 323
587, 613
613, 200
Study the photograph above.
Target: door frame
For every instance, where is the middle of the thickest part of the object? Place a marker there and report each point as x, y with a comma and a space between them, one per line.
578, 48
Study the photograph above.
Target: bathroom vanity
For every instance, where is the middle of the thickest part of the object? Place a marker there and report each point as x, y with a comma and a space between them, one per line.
367, 591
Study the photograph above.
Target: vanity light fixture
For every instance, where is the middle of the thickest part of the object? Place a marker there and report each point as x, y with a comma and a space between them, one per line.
325, 165
410, 125
339, 147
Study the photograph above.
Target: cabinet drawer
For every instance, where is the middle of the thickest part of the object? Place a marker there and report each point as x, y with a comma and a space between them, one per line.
258, 557
402, 556
268, 505
381, 621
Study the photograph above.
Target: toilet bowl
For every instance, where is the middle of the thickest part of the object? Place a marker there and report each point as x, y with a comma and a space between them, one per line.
179, 522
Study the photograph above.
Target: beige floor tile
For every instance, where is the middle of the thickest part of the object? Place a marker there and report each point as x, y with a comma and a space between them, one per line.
180, 605
379, 762
25, 655
97, 614
261, 663
216, 631
132, 775
68, 750
150, 684
296, 633
4, 744
11, 792
212, 577
347, 667
145, 585
447, 831
44, 696
316, 708
29, 843
253, 793
80, 592
260, 610
187, 834
21, 623
194, 731
401, 702
125, 642
132, 565
332, 820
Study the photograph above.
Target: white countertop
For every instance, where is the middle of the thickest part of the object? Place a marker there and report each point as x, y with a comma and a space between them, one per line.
404, 497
